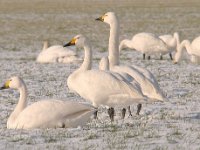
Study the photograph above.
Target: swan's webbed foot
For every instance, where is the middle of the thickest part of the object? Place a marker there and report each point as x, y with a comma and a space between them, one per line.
123, 113
170, 55
143, 56
129, 111
161, 58
95, 115
149, 57
139, 107
111, 113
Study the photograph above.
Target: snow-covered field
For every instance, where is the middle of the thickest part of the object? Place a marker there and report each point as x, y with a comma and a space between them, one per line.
25, 24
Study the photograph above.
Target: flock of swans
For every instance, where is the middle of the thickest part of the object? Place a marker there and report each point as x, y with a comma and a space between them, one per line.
112, 85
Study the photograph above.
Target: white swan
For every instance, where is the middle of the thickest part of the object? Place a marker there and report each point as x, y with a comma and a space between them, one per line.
172, 41
146, 43
56, 53
104, 65
145, 78
193, 49
100, 87
45, 113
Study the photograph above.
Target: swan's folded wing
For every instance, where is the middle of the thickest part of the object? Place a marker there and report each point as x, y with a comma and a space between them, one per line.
49, 113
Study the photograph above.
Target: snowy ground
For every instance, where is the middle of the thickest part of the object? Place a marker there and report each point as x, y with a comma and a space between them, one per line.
25, 25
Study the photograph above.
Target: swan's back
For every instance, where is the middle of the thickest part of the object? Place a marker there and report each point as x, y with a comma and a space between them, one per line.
148, 84
98, 86
55, 54
169, 40
148, 43
53, 114
196, 44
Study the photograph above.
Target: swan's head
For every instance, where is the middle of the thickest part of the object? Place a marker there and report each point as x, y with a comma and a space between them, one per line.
108, 18
78, 40
14, 83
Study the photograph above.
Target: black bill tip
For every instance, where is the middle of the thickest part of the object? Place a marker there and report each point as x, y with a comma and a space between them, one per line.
68, 44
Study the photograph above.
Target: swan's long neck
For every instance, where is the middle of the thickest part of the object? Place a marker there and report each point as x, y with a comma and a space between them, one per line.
176, 36
22, 103
46, 45
87, 62
114, 44
125, 44
188, 47
179, 52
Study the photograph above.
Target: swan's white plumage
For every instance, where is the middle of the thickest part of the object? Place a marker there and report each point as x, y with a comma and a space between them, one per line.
146, 43
172, 41
104, 63
193, 49
45, 113
142, 76
100, 87
56, 53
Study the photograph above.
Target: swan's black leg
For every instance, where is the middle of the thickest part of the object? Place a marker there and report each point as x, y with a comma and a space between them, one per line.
149, 57
161, 58
111, 113
139, 107
95, 115
143, 56
170, 55
123, 113
129, 110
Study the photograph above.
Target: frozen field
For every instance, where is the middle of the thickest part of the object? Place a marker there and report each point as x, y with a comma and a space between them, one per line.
24, 25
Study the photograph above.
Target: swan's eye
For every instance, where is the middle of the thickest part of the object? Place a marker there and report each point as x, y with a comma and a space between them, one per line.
10, 79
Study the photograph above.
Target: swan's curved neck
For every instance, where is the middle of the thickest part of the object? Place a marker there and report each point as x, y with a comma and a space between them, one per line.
22, 103
188, 47
176, 36
125, 44
46, 45
87, 62
114, 44
179, 52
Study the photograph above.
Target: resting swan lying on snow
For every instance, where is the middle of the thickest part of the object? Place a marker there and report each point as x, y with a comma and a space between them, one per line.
56, 53
45, 113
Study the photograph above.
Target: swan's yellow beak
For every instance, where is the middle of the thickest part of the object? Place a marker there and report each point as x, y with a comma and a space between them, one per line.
72, 42
100, 18
6, 85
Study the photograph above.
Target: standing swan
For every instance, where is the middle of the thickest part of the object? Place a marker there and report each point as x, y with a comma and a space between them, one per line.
145, 78
193, 49
100, 87
45, 113
146, 43
104, 65
172, 42
56, 53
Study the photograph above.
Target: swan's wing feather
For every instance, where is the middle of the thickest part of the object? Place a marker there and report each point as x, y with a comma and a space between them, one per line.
48, 113
98, 85
148, 42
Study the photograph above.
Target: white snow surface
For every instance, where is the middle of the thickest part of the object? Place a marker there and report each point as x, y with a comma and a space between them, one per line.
25, 24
